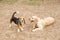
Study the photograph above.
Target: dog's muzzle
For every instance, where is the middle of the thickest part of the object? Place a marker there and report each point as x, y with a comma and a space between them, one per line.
32, 21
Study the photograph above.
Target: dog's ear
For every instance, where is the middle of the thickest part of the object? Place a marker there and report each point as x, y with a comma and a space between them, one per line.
24, 21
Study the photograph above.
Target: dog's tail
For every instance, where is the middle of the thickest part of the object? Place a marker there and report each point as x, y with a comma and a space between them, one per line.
13, 14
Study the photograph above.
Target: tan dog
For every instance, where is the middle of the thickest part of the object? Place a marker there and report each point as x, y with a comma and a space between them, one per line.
19, 21
39, 24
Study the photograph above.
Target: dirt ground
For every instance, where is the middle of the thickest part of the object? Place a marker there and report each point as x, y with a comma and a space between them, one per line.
46, 9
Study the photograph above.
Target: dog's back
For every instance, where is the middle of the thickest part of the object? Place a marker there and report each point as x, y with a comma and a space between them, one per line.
49, 20
14, 19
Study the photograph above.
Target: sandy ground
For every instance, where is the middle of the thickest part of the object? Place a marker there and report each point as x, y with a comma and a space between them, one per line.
52, 32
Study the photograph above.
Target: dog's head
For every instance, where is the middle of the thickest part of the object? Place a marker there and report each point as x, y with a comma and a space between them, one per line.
34, 19
22, 20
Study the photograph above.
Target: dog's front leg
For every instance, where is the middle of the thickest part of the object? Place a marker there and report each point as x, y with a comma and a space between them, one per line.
33, 26
36, 29
10, 25
19, 27
22, 25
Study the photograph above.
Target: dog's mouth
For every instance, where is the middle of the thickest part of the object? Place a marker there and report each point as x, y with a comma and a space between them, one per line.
32, 21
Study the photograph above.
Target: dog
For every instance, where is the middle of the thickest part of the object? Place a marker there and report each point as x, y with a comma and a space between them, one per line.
18, 21
39, 24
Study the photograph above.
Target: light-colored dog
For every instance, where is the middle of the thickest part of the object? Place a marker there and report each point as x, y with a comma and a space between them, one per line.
39, 24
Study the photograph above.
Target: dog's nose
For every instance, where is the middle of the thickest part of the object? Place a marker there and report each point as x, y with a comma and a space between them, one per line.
32, 21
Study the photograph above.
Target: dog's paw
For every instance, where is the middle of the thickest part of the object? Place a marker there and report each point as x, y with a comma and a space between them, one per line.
21, 28
33, 30
18, 30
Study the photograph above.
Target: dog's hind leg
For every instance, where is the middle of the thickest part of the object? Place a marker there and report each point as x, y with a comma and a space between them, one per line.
10, 25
